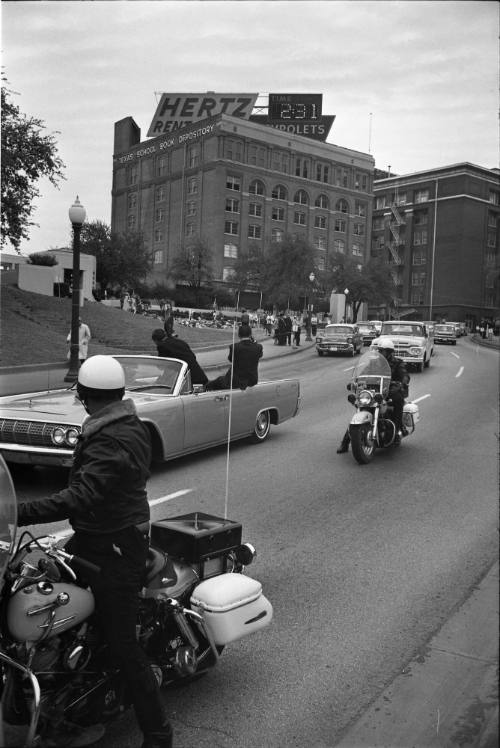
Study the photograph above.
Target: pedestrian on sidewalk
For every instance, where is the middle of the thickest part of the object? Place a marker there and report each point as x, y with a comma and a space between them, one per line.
296, 331
83, 341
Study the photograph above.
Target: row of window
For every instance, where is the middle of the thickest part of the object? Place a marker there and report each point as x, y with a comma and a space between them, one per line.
420, 196
299, 219
319, 243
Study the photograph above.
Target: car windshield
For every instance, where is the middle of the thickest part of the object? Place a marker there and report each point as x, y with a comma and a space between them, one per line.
338, 330
400, 328
8, 516
444, 328
144, 372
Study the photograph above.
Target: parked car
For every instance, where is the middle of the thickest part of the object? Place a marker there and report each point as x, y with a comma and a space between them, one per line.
413, 341
445, 334
368, 332
339, 338
43, 428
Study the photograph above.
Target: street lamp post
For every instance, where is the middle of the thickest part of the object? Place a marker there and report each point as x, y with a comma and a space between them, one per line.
308, 317
77, 217
346, 294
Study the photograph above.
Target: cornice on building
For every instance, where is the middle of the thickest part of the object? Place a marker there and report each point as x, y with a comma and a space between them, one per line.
461, 169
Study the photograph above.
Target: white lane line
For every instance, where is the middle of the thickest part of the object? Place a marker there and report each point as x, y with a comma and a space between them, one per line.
419, 399
170, 496
455, 354
459, 372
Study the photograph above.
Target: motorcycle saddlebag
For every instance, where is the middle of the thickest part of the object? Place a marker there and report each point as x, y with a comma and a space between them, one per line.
411, 415
232, 606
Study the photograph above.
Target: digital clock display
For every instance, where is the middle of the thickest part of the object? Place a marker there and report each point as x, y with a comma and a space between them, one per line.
286, 107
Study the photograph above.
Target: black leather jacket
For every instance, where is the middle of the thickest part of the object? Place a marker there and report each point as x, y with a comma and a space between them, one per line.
107, 482
399, 374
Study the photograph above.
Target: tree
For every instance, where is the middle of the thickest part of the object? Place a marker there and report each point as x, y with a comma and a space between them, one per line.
193, 266
121, 259
370, 283
95, 239
27, 155
285, 273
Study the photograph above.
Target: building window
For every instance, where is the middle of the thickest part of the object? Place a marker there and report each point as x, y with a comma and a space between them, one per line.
193, 156
159, 215
492, 220
132, 174
492, 239
276, 235
321, 263
420, 236
419, 257
361, 182
232, 205
192, 186
418, 278
320, 242
301, 167
131, 222
341, 177
380, 202
342, 206
400, 198
233, 183
279, 192
420, 218
493, 197
278, 214
254, 231
378, 224
340, 225
320, 222
322, 172
417, 296
339, 245
301, 197
359, 229
322, 202
357, 249
160, 194
227, 274
256, 187
360, 209
132, 200
421, 196
158, 257
230, 250
233, 149
280, 161
189, 229
191, 208
255, 209
231, 227
158, 236
299, 218
161, 166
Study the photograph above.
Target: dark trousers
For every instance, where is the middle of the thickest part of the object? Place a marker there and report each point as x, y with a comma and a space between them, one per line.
398, 401
121, 557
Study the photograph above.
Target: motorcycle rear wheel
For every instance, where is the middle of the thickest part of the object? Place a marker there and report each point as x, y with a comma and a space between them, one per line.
362, 444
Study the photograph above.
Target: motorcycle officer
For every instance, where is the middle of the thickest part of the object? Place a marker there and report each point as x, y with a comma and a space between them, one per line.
107, 506
398, 390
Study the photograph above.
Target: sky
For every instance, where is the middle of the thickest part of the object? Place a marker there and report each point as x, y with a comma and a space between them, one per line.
415, 84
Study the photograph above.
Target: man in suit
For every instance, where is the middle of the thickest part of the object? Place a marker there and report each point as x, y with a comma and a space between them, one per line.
173, 347
245, 356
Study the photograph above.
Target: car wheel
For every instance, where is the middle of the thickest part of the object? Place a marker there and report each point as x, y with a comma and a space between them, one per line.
262, 427
427, 362
419, 367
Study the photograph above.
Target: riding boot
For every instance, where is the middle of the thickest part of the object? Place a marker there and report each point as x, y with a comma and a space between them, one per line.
344, 444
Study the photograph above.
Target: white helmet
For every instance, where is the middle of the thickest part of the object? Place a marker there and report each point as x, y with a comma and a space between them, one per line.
102, 375
385, 343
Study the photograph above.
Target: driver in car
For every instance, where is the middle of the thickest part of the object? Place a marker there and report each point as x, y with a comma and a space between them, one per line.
398, 391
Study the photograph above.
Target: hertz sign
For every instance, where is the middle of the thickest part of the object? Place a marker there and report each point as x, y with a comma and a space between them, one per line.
175, 111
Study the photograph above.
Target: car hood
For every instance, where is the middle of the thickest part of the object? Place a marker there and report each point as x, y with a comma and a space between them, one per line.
406, 340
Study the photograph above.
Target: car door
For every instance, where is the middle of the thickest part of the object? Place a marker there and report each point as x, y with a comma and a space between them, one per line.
206, 416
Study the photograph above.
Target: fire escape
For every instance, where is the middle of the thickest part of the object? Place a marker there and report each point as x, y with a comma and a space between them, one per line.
395, 248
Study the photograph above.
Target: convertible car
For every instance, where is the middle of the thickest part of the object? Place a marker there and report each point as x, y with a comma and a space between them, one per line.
42, 428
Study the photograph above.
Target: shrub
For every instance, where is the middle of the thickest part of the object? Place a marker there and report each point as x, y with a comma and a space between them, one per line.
42, 258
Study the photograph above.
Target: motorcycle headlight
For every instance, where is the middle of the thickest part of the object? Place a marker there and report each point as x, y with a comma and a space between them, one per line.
58, 435
72, 435
365, 397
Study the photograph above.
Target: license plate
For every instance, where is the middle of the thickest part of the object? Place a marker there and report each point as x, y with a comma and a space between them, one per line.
333, 348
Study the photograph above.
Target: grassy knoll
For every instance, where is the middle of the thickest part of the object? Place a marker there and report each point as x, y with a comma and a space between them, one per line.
34, 329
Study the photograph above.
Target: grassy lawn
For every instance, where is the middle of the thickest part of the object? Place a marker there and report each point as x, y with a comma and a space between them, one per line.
34, 328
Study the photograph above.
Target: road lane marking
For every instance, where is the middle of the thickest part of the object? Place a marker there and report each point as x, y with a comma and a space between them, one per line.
170, 496
455, 354
419, 399
459, 372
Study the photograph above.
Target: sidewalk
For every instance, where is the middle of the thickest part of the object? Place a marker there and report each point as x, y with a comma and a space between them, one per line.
448, 696
38, 377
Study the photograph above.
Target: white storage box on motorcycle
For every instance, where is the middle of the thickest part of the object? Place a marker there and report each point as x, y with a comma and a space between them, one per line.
232, 606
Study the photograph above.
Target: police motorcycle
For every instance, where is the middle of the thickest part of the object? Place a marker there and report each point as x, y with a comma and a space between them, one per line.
371, 426
54, 670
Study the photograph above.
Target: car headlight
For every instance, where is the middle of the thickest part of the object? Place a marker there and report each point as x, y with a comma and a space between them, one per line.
72, 435
58, 435
415, 351
365, 397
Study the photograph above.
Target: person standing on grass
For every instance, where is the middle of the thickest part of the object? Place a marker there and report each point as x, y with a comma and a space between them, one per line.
83, 341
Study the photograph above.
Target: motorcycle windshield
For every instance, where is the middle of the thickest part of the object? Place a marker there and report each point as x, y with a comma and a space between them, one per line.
8, 516
372, 368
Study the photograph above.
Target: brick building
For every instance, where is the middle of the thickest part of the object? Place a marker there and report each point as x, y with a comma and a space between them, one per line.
439, 232
232, 182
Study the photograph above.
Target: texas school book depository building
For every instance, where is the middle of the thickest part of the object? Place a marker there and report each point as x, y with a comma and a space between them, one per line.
214, 173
